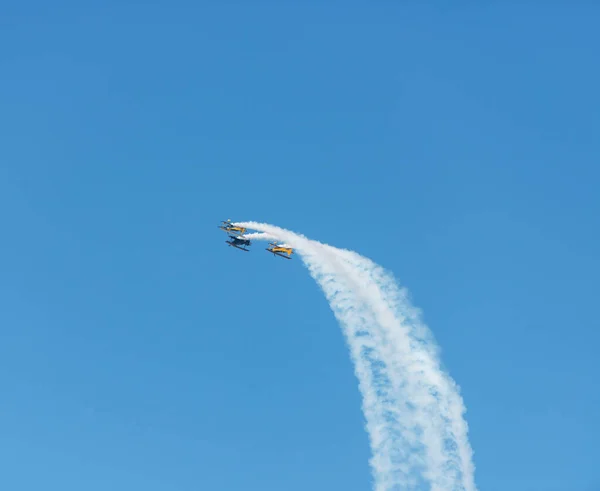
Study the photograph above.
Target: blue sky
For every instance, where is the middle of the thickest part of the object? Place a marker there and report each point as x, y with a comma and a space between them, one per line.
455, 146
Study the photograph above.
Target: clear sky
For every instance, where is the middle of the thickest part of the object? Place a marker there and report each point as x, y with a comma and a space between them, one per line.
456, 146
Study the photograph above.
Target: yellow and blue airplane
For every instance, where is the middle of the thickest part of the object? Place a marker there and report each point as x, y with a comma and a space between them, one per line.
229, 227
278, 250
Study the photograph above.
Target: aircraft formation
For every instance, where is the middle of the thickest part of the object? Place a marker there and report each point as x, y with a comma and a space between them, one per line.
237, 240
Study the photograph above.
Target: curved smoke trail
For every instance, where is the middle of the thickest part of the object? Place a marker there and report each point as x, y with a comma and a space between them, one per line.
413, 410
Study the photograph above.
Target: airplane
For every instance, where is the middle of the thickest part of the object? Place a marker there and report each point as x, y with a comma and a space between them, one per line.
228, 227
238, 243
278, 250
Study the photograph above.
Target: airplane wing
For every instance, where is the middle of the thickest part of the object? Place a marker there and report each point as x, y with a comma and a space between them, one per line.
278, 254
232, 244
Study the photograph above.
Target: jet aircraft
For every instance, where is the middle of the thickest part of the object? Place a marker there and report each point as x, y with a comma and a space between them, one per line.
229, 227
238, 242
278, 250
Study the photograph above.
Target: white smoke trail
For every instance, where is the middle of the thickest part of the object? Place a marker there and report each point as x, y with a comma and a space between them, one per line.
413, 409
448, 408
